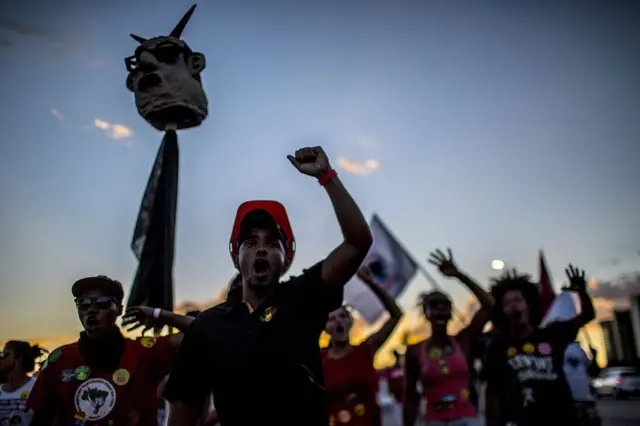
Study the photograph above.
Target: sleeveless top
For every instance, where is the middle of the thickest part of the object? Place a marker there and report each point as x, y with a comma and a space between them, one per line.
352, 386
445, 383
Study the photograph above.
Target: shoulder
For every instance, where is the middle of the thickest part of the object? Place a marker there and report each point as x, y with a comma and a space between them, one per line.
64, 351
309, 275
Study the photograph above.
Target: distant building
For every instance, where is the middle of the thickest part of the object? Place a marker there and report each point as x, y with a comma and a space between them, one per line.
609, 341
622, 335
634, 310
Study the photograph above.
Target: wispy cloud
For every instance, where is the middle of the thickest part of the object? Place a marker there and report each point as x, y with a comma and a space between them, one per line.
57, 114
358, 167
17, 31
114, 131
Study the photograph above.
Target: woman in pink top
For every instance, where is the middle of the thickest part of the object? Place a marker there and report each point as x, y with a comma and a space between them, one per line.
441, 363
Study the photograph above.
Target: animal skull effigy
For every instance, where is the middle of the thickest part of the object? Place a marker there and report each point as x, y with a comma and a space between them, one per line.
164, 75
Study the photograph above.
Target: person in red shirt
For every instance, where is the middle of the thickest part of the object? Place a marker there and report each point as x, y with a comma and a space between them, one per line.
105, 378
351, 380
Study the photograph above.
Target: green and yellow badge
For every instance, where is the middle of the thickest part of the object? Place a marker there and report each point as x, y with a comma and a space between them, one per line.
268, 314
528, 348
121, 377
82, 373
435, 353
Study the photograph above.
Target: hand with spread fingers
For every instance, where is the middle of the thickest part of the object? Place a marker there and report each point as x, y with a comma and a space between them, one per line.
139, 316
312, 161
445, 263
577, 282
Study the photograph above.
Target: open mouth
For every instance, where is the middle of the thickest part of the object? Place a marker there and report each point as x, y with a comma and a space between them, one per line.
260, 267
92, 322
339, 329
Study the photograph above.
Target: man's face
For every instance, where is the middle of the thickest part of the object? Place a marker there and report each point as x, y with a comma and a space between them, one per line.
515, 308
97, 312
339, 325
164, 81
261, 258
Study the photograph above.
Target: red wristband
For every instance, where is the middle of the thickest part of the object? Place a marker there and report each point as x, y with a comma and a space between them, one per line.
327, 177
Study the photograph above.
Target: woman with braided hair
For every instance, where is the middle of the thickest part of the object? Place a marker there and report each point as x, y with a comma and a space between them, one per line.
17, 362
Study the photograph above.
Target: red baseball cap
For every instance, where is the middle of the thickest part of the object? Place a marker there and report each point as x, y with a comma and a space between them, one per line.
266, 213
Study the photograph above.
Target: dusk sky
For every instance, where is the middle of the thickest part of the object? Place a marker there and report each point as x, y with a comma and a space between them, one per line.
494, 130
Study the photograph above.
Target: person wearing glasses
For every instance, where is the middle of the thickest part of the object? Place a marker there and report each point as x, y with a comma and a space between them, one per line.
17, 362
105, 378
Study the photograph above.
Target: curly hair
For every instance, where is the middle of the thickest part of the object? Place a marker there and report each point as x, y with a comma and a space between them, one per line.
512, 281
425, 297
26, 353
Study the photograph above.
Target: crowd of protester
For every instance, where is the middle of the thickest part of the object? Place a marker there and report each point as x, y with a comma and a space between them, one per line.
255, 358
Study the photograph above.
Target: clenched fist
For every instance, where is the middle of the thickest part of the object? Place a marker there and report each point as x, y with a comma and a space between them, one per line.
311, 161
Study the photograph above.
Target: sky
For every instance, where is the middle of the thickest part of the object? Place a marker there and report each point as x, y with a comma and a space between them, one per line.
494, 129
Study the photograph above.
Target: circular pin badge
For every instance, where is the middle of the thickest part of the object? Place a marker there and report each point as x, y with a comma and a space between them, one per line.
344, 416
528, 348
511, 351
148, 341
121, 377
54, 356
24, 395
444, 369
359, 410
82, 373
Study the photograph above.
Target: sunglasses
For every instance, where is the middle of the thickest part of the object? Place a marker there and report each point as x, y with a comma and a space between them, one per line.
102, 302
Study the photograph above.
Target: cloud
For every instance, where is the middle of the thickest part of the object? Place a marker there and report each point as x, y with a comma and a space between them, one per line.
358, 167
114, 131
53, 40
619, 289
57, 114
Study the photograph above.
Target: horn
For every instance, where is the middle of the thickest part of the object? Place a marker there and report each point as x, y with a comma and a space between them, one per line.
177, 31
138, 38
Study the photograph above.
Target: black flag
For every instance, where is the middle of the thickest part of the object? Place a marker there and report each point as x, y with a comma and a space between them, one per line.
154, 236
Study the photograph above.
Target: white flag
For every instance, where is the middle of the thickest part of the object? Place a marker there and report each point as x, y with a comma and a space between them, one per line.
563, 308
392, 268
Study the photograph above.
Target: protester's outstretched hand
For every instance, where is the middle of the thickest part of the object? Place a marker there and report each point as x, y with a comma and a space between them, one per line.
311, 161
444, 263
139, 316
577, 282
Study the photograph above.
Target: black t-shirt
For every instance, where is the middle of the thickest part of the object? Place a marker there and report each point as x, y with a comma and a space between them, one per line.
263, 366
528, 379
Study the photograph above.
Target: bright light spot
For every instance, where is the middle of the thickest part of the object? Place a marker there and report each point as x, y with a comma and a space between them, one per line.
498, 265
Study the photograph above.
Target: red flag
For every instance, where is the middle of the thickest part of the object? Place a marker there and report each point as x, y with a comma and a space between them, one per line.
547, 295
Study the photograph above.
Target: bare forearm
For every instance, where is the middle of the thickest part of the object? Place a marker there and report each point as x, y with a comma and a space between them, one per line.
485, 299
587, 313
387, 301
353, 225
181, 322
